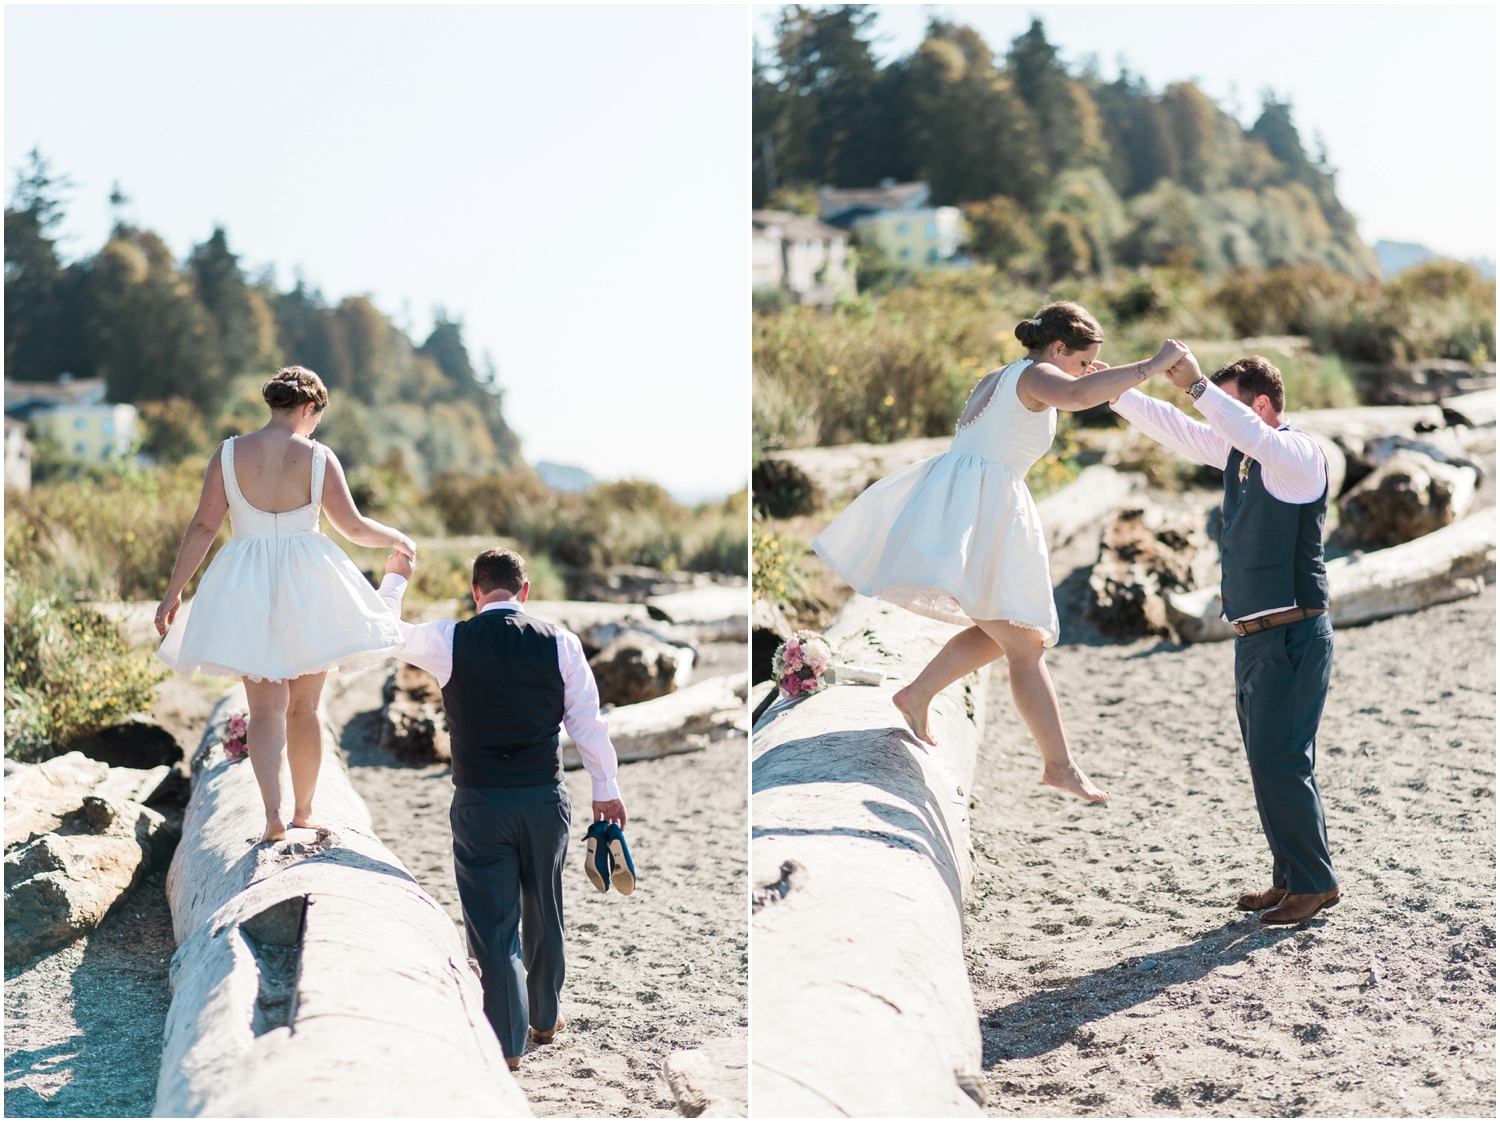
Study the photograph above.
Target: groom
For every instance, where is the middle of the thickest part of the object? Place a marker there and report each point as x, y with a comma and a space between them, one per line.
509, 682
1275, 595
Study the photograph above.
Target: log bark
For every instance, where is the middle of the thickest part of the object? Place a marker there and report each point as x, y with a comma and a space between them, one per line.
1448, 564
861, 856
1409, 495
684, 721
313, 976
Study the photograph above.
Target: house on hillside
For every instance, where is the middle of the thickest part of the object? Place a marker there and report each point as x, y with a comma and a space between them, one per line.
807, 259
896, 218
73, 415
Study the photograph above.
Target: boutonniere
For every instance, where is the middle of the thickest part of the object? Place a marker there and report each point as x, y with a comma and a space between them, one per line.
1245, 463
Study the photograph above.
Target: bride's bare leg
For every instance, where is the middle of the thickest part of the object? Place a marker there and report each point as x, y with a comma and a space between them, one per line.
963, 654
304, 744
1031, 686
267, 736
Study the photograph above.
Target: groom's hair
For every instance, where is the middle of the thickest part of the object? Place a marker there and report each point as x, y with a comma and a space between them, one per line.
1255, 376
500, 568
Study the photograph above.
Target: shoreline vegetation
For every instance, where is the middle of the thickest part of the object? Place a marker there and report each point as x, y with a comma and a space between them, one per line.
420, 430
1158, 211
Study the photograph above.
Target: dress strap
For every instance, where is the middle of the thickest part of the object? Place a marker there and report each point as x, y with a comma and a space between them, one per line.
226, 462
320, 460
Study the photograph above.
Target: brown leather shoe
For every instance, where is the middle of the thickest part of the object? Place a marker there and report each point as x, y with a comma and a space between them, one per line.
546, 1037
1259, 901
513, 1063
1300, 906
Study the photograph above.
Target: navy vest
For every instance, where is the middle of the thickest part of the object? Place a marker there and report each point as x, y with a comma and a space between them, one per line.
1272, 552
504, 701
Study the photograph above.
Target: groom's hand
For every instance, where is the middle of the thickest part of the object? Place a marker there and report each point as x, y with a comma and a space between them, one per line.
401, 565
1185, 371
611, 810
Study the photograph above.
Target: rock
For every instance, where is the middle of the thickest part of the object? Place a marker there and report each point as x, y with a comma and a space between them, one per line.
64, 882
635, 668
712, 1081
1149, 964
136, 742
1145, 553
1410, 494
414, 724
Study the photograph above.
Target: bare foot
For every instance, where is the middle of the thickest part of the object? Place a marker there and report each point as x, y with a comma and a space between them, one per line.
275, 829
306, 822
917, 720
1073, 780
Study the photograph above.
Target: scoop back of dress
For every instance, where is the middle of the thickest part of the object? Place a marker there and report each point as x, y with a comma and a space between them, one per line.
957, 537
280, 599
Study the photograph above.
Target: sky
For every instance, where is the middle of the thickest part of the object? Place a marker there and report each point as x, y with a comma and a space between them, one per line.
570, 181
1403, 95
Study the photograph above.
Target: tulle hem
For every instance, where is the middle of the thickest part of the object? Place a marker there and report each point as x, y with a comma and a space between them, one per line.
344, 664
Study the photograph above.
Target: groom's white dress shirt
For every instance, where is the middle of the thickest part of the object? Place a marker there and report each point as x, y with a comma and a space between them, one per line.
1292, 466
430, 646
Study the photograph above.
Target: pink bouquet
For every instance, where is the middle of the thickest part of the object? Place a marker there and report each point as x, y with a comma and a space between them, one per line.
800, 665
237, 735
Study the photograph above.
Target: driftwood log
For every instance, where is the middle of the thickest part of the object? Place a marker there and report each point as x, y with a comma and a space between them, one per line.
1413, 491
1448, 564
684, 721
313, 975
1098, 492
861, 858
817, 477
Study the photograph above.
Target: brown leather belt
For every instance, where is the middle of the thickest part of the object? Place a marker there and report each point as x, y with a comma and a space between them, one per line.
1275, 619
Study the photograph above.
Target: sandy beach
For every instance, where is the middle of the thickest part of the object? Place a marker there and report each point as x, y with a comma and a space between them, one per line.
1113, 974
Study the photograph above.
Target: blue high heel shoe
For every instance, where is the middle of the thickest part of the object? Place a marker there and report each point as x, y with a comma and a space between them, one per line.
596, 859
622, 868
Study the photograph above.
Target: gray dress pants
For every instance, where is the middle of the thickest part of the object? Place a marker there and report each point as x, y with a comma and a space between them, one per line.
509, 846
1281, 682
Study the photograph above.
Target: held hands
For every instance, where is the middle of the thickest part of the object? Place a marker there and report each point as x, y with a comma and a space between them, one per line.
610, 810
1185, 371
404, 545
166, 612
401, 565
1171, 353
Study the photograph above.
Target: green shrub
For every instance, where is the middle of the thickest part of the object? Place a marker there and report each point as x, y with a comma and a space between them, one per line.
774, 575
68, 673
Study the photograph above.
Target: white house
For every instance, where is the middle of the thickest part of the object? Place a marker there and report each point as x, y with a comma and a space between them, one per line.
73, 414
896, 217
799, 255
17, 455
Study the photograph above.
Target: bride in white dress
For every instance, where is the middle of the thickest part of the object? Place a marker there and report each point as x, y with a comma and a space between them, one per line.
957, 537
280, 605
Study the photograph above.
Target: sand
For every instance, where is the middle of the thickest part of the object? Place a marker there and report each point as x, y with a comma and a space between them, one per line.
656, 972
1113, 974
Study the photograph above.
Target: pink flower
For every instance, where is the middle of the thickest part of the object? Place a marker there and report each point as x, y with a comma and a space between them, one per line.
235, 749
811, 685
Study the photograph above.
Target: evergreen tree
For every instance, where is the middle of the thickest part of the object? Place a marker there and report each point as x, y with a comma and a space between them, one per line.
244, 333
41, 328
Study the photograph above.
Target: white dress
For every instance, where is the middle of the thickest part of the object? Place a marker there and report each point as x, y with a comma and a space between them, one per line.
280, 599
957, 537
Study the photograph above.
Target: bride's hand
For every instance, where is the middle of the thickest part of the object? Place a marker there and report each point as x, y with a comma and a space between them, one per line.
405, 546
1170, 354
166, 612
1096, 366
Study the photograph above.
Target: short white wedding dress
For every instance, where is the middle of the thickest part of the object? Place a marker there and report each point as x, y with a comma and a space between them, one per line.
957, 537
280, 599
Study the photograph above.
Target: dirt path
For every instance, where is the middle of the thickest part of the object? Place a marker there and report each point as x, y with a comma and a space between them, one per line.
659, 971
1111, 971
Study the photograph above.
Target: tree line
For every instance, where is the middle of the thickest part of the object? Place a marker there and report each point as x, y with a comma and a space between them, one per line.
190, 342
1059, 173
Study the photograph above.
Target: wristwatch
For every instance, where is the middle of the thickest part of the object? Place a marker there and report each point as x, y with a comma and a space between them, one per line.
1197, 389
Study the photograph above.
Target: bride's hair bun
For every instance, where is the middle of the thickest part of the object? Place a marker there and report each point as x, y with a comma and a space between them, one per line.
292, 387
1060, 322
